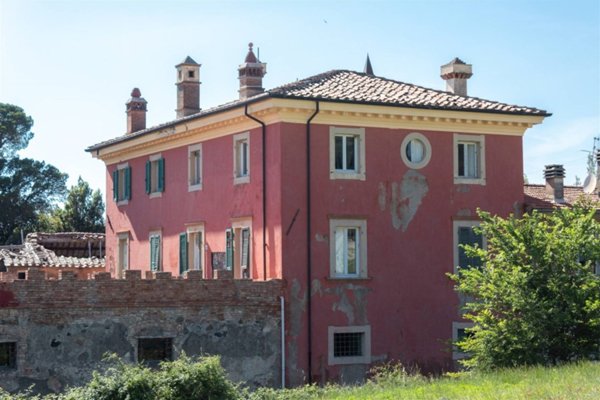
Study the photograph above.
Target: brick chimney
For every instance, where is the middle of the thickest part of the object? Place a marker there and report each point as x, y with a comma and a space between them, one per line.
188, 87
136, 112
555, 176
251, 73
456, 73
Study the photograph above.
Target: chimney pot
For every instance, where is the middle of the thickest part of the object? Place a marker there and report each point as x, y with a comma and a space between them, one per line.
555, 175
136, 112
456, 73
250, 74
188, 87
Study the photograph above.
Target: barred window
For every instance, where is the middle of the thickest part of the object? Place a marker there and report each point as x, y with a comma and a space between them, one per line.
349, 344
8, 355
154, 350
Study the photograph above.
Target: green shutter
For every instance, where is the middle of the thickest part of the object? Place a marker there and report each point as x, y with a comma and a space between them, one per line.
161, 175
183, 253
128, 183
245, 248
229, 249
154, 253
116, 184
148, 176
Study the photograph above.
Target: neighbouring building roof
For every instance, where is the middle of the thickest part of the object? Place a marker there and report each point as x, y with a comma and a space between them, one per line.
536, 197
35, 255
360, 88
70, 244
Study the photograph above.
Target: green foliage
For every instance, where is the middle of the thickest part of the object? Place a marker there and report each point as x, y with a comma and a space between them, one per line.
83, 211
28, 188
536, 300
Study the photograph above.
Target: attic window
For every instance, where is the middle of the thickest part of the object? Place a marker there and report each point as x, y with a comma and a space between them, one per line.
190, 74
416, 150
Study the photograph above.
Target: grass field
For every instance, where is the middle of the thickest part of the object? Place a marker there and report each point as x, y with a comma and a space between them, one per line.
569, 382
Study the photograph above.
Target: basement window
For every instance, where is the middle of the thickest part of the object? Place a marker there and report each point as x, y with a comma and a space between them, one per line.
8, 355
459, 332
349, 345
152, 351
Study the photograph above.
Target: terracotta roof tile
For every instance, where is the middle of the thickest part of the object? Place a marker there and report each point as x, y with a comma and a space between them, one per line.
355, 87
536, 197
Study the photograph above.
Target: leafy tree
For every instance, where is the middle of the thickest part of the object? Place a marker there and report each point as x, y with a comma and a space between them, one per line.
536, 300
83, 211
28, 187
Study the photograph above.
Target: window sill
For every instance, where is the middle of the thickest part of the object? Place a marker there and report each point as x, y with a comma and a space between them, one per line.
469, 181
154, 195
122, 202
348, 278
241, 179
195, 188
359, 176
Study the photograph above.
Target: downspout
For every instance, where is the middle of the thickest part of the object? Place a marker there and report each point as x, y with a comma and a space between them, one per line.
308, 247
282, 306
264, 190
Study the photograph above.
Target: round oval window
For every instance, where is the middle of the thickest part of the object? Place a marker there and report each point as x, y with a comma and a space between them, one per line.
416, 150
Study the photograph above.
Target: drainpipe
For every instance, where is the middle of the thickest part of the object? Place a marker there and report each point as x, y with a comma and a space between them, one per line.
264, 189
308, 247
282, 305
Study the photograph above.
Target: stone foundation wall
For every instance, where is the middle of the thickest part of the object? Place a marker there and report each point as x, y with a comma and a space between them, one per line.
62, 328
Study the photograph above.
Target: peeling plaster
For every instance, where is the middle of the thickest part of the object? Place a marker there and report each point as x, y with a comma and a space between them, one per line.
321, 238
351, 301
382, 198
404, 205
464, 212
297, 307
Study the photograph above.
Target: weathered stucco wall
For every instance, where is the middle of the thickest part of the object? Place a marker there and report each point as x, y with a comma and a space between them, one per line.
62, 328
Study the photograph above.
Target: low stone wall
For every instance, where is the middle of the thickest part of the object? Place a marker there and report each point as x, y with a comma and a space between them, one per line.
62, 328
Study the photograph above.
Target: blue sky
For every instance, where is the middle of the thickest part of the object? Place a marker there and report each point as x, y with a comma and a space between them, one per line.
72, 64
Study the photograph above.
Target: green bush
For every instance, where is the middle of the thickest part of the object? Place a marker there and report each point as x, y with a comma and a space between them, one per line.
536, 299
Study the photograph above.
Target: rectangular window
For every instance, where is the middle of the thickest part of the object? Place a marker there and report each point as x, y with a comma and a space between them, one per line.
8, 355
349, 345
122, 184
195, 167
155, 251
465, 235
238, 242
348, 248
469, 159
241, 159
155, 175
152, 351
123, 256
347, 153
459, 332
191, 249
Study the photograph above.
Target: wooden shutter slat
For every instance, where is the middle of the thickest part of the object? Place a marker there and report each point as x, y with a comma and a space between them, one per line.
183, 253
116, 184
148, 176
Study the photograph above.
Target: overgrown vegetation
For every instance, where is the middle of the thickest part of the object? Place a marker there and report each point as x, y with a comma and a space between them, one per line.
194, 379
536, 299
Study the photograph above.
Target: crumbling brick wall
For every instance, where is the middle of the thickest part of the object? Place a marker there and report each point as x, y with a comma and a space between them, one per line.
63, 327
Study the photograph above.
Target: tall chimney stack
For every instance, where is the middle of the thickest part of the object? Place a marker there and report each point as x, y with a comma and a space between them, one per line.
251, 73
555, 176
136, 112
188, 87
456, 73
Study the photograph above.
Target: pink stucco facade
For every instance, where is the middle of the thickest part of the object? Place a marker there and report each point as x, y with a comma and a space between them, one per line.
405, 297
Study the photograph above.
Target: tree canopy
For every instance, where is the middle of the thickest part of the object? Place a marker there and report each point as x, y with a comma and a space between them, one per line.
536, 299
28, 187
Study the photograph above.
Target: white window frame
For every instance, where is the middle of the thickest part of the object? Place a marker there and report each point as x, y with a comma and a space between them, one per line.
192, 173
190, 231
151, 234
463, 224
237, 226
240, 176
359, 173
120, 268
479, 140
456, 326
122, 200
359, 224
364, 359
427, 149
154, 192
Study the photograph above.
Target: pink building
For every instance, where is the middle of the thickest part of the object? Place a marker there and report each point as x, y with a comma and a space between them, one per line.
354, 189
